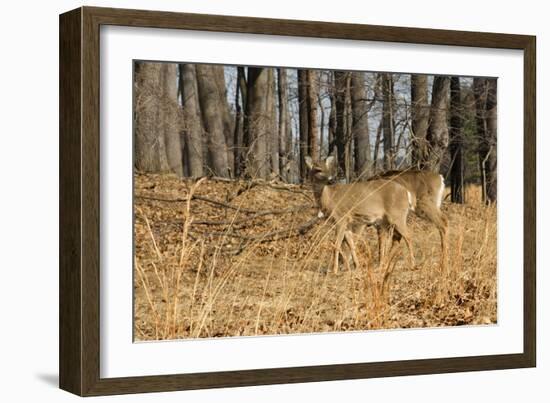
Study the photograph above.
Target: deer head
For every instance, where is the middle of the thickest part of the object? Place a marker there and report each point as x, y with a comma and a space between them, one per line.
322, 172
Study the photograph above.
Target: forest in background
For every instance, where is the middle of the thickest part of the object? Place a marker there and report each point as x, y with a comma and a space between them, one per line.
197, 120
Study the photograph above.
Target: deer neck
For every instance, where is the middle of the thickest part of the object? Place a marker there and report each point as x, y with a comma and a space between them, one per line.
318, 191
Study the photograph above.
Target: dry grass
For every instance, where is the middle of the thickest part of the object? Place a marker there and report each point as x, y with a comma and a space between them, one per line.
194, 278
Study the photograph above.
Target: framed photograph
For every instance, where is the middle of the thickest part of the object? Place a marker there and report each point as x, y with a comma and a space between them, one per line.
249, 201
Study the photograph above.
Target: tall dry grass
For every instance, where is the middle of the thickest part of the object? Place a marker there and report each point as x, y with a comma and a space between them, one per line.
189, 284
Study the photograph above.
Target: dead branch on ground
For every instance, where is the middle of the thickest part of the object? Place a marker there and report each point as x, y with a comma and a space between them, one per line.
267, 236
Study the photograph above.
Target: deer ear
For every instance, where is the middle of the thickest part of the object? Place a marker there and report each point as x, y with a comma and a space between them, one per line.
309, 161
329, 162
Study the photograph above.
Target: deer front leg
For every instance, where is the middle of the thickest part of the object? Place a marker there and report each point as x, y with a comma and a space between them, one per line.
349, 239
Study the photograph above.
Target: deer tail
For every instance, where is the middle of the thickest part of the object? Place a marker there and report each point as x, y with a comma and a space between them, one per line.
441, 191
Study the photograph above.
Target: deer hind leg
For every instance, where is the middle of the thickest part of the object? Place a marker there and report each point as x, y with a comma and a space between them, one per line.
402, 232
382, 232
430, 211
386, 265
340, 234
412, 260
444, 235
387, 235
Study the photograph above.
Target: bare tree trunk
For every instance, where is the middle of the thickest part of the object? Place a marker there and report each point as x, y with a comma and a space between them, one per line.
227, 116
360, 128
438, 130
241, 82
171, 118
388, 127
212, 117
322, 124
341, 84
273, 129
485, 92
491, 165
480, 95
349, 138
150, 148
192, 125
420, 118
258, 121
245, 149
313, 126
304, 120
238, 131
285, 132
456, 145
332, 122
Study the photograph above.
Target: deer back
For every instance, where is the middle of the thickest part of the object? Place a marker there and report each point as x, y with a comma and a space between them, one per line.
424, 185
369, 202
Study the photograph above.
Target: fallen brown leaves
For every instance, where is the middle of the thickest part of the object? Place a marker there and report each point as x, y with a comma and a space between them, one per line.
235, 258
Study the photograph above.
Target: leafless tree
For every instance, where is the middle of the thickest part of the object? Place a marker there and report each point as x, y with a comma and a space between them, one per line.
240, 100
228, 118
456, 144
420, 115
171, 117
360, 128
303, 119
313, 125
212, 117
257, 126
150, 148
388, 119
192, 132
341, 96
485, 92
273, 134
438, 130
491, 140
332, 116
285, 130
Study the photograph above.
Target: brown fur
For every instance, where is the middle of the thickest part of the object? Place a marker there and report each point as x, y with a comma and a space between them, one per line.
382, 203
425, 187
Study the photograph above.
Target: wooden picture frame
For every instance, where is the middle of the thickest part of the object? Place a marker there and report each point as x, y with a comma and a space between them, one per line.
79, 201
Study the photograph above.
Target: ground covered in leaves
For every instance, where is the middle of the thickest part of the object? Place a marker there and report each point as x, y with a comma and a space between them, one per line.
232, 258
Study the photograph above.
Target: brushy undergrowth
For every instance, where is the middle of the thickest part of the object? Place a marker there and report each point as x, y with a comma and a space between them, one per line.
231, 269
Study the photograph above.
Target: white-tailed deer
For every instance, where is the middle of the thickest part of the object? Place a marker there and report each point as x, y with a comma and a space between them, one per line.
382, 203
427, 189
